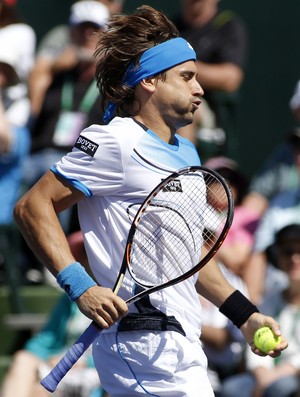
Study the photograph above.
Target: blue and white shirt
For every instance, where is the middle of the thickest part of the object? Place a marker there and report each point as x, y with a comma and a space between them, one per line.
116, 166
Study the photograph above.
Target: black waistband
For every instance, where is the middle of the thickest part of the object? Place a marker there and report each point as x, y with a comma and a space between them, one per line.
138, 322
149, 318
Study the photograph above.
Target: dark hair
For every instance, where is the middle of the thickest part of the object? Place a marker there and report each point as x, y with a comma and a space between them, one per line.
294, 138
127, 38
236, 179
289, 232
8, 15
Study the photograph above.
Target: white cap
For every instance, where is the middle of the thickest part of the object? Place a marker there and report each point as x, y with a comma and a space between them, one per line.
17, 46
89, 11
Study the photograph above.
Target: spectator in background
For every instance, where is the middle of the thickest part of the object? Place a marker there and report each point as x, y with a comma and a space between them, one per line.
262, 277
220, 41
281, 172
72, 101
223, 343
17, 47
41, 352
14, 149
57, 51
237, 247
274, 193
280, 377
295, 102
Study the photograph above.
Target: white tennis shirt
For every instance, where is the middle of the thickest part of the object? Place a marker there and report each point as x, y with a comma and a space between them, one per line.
116, 166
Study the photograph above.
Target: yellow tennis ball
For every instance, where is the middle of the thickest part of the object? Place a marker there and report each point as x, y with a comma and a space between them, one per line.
265, 340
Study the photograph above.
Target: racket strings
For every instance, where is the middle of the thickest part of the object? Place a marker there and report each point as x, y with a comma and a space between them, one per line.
152, 254
216, 212
173, 227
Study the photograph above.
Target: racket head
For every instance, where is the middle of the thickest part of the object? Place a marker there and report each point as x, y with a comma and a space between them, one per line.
190, 208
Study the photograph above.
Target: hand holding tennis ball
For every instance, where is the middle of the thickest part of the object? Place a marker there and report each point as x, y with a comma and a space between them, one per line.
265, 340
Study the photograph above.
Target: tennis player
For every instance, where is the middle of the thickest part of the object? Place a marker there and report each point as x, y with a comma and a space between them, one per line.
147, 77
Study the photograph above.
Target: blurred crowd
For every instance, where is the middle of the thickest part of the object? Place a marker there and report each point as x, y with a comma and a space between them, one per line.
48, 95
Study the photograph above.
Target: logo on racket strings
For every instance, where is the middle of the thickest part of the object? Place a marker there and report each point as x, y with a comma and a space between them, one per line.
173, 186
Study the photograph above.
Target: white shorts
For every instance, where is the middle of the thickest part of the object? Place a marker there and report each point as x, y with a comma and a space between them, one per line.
141, 363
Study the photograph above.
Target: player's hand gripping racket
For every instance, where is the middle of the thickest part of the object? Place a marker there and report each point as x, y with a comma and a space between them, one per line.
189, 209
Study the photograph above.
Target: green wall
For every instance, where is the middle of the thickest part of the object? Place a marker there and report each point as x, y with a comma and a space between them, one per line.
273, 65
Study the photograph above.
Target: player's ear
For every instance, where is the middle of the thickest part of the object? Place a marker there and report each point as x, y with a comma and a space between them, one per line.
149, 84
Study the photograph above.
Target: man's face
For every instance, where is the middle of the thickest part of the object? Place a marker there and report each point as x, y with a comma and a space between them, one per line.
296, 150
85, 35
289, 258
179, 95
114, 6
198, 5
7, 75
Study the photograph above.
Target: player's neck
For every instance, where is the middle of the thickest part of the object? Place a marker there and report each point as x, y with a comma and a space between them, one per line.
158, 127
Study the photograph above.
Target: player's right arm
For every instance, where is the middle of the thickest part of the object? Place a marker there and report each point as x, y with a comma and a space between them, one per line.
36, 216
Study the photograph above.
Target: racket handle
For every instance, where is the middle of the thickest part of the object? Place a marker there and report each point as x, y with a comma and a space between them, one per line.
51, 381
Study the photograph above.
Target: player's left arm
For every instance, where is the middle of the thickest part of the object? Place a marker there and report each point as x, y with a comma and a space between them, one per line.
213, 286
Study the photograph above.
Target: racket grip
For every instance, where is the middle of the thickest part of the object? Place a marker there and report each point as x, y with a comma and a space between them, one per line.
51, 381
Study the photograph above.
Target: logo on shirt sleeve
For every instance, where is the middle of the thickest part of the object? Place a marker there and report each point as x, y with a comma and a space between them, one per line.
87, 146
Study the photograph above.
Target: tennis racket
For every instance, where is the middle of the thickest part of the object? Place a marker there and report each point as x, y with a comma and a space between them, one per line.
191, 208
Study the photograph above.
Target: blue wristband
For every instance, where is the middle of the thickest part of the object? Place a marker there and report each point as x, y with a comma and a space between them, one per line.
75, 280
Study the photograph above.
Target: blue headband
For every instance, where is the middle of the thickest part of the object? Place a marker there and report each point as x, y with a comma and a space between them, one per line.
153, 61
